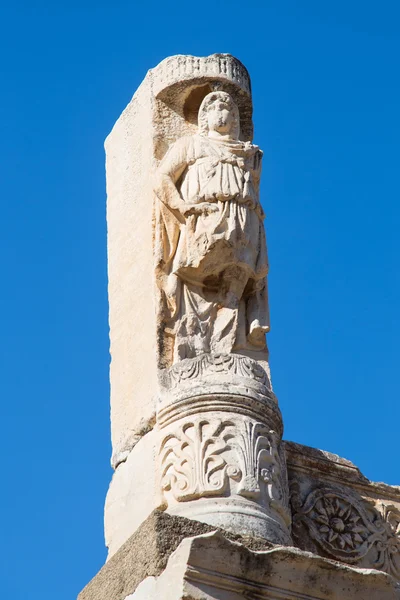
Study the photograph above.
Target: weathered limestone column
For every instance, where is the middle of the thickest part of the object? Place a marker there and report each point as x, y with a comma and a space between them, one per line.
196, 428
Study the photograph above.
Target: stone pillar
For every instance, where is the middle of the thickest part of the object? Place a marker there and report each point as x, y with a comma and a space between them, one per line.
196, 428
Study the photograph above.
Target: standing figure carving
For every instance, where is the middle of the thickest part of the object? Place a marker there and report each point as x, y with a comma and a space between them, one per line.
211, 256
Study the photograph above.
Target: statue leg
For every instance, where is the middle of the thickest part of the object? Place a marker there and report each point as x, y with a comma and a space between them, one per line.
229, 320
193, 324
258, 314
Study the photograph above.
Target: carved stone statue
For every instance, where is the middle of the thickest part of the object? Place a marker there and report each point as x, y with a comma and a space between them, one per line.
211, 257
197, 430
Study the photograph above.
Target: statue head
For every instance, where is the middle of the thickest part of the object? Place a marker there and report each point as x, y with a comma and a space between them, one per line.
218, 112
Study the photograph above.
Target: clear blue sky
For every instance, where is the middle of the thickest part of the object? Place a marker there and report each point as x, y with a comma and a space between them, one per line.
327, 101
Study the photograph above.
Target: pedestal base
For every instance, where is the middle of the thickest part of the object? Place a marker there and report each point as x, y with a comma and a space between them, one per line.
221, 458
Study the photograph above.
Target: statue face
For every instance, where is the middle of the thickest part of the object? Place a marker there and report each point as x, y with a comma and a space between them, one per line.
220, 117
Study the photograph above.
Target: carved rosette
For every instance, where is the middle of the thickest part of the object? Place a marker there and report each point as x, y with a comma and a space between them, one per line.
344, 527
218, 440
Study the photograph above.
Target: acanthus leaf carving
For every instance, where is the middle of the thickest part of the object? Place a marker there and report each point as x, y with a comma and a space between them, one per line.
191, 460
207, 457
389, 548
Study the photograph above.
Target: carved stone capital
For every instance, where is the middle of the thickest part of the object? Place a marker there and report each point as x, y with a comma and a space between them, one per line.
230, 457
220, 432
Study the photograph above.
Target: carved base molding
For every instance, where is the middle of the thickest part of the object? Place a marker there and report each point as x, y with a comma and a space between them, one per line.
216, 374
237, 515
207, 365
220, 455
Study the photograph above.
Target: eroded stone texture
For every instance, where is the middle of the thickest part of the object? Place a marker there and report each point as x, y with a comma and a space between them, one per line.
146, 553
210, 567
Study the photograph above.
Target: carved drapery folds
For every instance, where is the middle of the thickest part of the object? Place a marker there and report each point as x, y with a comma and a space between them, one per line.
343, 526
210, 249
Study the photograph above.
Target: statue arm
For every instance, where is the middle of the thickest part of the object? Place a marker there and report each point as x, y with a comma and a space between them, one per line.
257, 166
170, 170
255, 169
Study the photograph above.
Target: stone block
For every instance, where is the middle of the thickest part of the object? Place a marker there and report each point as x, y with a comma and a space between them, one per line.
173, 558
146, 553
132, 494
211, 567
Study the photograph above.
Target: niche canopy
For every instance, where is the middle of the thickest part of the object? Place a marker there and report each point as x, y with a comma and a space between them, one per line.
183, 81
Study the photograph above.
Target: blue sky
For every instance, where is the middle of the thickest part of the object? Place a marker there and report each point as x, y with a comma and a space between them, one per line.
326, 93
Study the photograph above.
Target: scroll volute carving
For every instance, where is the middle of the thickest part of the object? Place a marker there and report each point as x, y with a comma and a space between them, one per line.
210, 248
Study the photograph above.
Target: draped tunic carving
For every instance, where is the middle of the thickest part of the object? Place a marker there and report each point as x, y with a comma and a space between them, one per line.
211, 257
